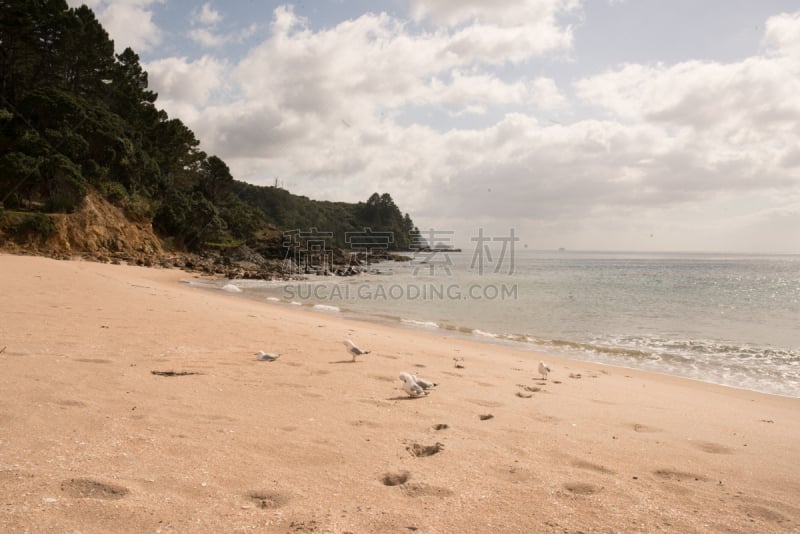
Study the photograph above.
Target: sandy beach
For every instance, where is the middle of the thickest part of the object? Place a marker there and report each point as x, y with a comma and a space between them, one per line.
131, 402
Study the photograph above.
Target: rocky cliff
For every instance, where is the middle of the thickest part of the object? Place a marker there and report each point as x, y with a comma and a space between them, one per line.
100, 231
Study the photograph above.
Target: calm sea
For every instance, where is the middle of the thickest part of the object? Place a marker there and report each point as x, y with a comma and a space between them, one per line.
727, 319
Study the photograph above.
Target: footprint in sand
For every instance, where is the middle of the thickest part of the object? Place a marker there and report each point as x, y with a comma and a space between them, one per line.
86, 488
395, 479
267, 500
485, 403
421, 451
441, 426
644, 429
583, 464
173, 373
530, 389
77, 404
581, 488
302, 527
712, 448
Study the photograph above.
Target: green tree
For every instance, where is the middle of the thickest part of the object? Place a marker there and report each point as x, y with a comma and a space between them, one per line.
88, 54
75, 116
214, 179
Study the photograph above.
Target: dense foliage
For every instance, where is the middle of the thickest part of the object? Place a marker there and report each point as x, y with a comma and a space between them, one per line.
75, 116
348, 224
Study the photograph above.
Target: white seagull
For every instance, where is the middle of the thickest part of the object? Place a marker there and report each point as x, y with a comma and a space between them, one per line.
266, 356
421, 382
353, 349
543, 370
411, 387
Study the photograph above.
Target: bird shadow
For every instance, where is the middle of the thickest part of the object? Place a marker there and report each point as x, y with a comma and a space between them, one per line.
346, 361
405, 397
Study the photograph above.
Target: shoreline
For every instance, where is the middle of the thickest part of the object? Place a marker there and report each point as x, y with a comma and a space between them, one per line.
91, 440
557, 348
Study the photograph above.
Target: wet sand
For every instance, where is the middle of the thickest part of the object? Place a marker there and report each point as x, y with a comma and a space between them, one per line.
91, 440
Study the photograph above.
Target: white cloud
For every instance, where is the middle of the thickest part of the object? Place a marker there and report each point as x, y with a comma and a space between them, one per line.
472, 92
546, 95
503, 13
495, 45
498, 32
89, 3
128, 22
207, 16
669, 142
179, 80
206, 37
733, 126
323, 72
782, 34
701, 95
203, 33
309, 107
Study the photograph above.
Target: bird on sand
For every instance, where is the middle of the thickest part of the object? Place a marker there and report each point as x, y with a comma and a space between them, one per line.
543, 370
266, 356
411, 387
353, 349
424, 384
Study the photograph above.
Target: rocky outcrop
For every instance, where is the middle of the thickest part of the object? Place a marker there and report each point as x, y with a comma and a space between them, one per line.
100, 231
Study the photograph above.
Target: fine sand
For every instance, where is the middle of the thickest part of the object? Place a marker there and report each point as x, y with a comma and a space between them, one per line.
91, 440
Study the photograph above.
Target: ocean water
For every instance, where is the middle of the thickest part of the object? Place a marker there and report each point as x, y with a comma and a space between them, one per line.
727, 319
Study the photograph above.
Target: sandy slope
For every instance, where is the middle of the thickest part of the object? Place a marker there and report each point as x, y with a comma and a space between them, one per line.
92, 441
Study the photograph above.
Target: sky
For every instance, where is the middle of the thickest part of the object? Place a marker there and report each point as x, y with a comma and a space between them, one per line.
637, 125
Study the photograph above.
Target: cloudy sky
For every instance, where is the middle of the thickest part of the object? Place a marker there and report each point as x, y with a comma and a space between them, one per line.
584, 124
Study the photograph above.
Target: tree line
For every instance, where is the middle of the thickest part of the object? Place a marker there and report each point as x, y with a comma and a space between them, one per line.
75, 116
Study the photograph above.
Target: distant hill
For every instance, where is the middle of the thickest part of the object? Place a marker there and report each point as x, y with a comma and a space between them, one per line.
76, 121
289, 212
